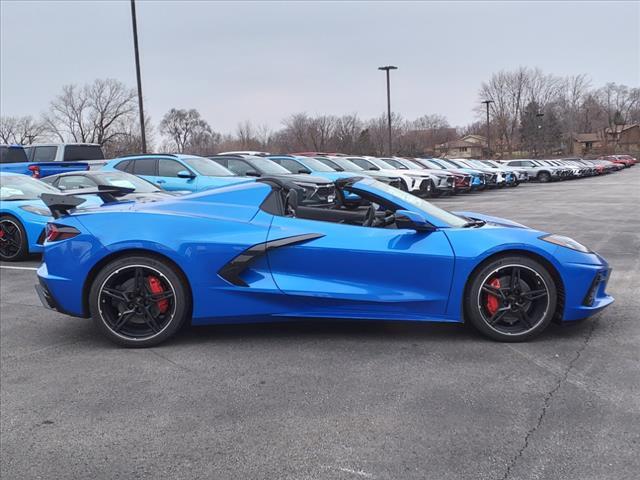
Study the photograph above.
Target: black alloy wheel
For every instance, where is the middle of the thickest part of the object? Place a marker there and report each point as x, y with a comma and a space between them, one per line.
138, 301
544, 177
511, 299
13, 239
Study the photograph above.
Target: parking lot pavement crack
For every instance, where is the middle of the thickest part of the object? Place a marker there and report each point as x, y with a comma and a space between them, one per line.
175, 364
547, 402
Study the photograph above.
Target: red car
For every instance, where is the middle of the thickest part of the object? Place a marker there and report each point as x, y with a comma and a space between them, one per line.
625, 160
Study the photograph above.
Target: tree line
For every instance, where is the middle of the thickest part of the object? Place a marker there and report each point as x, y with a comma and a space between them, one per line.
530, 111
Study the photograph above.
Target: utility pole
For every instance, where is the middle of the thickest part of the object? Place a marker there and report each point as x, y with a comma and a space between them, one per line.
487, 102
137, 55
387, 69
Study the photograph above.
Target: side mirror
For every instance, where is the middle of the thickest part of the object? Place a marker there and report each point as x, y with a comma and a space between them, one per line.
186, 174
374, 169
406, 219
252, 173
304, 170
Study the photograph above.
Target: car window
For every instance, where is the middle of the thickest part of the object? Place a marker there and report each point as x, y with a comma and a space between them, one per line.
44, 154
144, 166
239, 167
121, 179
170, 168
74, 153
123, 165
12, 155
73, 182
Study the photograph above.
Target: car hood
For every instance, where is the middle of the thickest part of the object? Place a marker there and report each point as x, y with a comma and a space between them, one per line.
502, 222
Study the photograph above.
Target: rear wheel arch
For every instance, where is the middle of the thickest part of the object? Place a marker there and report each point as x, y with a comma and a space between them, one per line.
553, 271
125, 253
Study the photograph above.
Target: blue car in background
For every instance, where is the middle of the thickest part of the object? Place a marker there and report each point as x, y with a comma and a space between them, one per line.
254, 253
23, 216
177, 172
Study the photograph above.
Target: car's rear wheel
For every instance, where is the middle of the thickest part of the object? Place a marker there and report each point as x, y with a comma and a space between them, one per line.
13, 239
139, 301
544, 177
511, 299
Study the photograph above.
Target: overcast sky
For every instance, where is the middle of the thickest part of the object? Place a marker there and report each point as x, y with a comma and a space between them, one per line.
265, 60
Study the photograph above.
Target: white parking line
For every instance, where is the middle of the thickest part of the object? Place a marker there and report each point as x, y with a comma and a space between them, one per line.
18, 268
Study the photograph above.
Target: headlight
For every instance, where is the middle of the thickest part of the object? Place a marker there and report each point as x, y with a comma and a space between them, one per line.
565, 242
37, 210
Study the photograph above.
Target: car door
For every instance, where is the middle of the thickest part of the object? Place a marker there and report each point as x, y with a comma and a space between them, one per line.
361, 272
168, 178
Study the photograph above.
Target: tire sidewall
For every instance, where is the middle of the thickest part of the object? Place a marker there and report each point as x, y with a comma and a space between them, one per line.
177, 281
24, 246
544, 177
473, 315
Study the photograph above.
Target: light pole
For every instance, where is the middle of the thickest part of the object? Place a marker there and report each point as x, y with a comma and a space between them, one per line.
387, 68
540, 135
487, 102
137, 55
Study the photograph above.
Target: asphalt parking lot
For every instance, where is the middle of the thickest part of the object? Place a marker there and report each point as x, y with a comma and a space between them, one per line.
341, 400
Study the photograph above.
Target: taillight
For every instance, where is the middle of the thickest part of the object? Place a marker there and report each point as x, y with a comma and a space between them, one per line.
35, 171
57, 232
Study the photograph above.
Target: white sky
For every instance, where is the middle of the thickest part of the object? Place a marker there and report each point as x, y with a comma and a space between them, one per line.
265, 60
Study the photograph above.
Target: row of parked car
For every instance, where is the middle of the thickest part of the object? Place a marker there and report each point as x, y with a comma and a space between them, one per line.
26, 174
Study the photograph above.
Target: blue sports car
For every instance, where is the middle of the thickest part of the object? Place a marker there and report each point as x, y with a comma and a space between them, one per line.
23, 216
252, 252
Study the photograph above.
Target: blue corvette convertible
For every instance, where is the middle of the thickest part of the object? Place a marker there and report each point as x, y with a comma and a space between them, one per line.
253, 252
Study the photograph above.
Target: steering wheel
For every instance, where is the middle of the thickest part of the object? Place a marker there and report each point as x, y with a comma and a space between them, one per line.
370, 217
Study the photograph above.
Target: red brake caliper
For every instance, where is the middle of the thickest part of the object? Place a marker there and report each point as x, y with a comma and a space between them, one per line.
156, 287
492, 301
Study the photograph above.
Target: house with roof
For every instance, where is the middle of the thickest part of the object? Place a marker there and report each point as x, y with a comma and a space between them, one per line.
623, 138
469, 146
586, 143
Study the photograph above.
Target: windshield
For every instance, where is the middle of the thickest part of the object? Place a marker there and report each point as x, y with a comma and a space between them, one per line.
383, 164
121, 179
396, 164
419, 204
317, 165
431, 164
207, 167
21, 187
269, 167
452, 163
347, 165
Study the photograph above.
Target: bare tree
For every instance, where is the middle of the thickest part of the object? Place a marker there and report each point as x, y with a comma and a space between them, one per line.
187, 130
95, 113
20, 130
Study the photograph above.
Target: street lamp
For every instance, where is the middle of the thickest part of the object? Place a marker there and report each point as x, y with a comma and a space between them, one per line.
487, 102
136, 53
387, 68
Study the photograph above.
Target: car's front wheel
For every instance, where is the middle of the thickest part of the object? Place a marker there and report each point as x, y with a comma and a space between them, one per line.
139, 301
511, 299
13, 239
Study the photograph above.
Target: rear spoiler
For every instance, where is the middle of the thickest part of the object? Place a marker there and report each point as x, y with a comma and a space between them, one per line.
60, 203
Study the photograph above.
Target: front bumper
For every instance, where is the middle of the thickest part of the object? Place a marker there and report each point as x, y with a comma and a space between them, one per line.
585, 279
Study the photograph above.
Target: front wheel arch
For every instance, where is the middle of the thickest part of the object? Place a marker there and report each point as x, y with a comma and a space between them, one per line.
553, 271
86, 288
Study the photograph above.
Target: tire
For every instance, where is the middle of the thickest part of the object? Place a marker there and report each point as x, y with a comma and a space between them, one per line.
501, 316
544, 177
13, 239
127, 310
